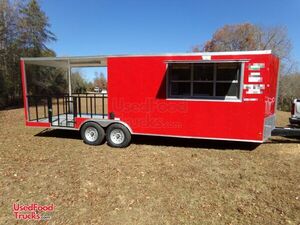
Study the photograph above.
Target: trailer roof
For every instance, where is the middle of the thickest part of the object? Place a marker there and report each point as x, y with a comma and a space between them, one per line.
101, 60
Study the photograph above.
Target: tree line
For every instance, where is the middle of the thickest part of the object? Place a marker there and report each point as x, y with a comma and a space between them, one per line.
81, 85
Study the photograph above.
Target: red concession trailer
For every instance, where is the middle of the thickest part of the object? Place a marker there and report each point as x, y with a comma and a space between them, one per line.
215, 95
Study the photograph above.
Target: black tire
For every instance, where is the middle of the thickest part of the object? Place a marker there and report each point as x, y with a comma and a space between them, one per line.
88, 131
118, 131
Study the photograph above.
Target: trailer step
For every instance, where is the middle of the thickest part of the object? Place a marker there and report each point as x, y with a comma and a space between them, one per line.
286, 132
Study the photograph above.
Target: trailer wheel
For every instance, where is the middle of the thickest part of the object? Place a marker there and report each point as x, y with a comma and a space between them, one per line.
92, 133
118, 136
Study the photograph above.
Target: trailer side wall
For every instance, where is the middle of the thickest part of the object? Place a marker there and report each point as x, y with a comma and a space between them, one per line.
138, 96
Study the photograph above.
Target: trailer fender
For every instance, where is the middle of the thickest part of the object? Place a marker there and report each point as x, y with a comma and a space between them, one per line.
105, 123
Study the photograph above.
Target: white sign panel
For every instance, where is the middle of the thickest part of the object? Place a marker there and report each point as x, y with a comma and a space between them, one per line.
206, 57
256, 66
254, 88
255, 77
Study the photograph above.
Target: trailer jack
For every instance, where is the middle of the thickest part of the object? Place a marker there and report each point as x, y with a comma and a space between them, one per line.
286, 132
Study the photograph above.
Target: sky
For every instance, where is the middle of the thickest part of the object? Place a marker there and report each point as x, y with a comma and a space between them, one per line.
101, 27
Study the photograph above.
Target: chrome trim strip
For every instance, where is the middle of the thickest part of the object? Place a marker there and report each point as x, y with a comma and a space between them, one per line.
213, 98
206, 61
205, 138
62, 128
277, 89
203, 100
242, 80
268, 126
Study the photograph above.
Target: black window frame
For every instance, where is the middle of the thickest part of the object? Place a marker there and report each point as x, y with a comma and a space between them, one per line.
214, 81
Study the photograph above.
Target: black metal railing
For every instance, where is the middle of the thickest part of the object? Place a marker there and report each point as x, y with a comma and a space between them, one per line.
55, 109
37, 107
90, 104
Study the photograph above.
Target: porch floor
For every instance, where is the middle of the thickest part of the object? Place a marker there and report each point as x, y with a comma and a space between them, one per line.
67, 120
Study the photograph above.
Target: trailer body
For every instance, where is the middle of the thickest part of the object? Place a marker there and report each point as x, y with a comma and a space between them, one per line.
221, 96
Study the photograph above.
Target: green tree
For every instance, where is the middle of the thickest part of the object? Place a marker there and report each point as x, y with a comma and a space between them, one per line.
9, 17
34, 30
33, 38
24, 31
78, 83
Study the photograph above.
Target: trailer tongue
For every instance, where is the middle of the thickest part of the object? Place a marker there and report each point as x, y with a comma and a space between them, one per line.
286, 132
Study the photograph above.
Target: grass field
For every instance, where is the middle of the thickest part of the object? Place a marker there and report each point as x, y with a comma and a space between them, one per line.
154, 181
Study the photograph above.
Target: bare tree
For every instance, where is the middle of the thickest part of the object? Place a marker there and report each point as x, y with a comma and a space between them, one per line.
250, 37
100, 81
288, 90
247, 36
234, 38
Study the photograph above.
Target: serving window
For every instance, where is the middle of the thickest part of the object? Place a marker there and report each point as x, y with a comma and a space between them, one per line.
221, 80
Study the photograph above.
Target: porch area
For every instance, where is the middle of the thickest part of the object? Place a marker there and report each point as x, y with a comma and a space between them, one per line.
53, 107
60, 111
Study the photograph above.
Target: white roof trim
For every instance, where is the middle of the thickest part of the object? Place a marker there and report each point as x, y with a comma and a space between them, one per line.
260, 52
101, 60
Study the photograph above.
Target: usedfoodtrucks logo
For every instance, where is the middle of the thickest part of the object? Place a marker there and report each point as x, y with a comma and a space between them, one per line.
33, 211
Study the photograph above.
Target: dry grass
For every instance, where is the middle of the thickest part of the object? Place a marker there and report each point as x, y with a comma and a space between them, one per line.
154, 181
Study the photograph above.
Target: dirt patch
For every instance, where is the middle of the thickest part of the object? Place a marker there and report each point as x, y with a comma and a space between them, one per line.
282, 118
154, 181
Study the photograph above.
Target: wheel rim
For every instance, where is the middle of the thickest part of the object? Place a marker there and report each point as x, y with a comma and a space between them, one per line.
91, 134
117, 136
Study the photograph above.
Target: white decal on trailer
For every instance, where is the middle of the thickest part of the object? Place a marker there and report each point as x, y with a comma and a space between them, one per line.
250, 99
256, 66
206, 57
254, 88
255, 77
